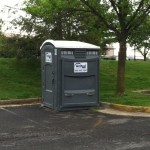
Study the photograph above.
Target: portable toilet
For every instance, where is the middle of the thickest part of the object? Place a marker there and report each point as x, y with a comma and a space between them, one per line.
70, 74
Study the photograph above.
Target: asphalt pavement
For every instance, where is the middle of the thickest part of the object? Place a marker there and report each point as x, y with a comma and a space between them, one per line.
39, 128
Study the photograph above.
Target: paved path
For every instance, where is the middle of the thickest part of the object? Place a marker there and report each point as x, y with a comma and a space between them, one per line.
36, 128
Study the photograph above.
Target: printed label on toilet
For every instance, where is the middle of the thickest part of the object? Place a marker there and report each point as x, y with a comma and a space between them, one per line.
80, 67
48, 57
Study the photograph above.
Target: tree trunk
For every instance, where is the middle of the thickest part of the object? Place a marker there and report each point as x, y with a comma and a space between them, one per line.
145, 54
121, 67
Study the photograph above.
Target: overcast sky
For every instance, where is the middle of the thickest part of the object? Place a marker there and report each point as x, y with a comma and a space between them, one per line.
10, 2
7, 17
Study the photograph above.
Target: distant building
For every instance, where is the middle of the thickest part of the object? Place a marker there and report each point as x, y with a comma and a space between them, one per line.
109, 50
9, 35
113, 49
132, 53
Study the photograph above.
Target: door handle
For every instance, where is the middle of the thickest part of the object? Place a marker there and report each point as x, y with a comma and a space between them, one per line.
90, 93
52, 81
69, 94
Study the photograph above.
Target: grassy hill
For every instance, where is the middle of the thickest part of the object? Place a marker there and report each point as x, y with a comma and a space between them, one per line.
19, 79
137, 78
22, 79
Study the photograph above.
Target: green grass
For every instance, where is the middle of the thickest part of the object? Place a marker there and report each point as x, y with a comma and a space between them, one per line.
137, 78
19, 79
22, 79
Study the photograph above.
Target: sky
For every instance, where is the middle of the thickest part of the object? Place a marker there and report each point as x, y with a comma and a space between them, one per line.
10, 2
7, 17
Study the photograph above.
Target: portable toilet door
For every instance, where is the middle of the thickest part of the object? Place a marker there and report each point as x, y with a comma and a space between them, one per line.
47, 54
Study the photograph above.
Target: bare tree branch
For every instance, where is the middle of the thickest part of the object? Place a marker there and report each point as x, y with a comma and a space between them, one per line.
119, 12
113, 4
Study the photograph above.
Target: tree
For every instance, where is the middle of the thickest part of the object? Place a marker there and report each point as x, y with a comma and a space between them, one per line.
52, 19
1, 22
140, 39
61, 19
122, 17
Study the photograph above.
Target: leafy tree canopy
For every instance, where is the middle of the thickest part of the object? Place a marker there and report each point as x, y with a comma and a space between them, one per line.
62, 19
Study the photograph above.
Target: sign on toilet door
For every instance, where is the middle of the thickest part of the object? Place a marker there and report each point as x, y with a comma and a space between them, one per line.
80, 67
48, 57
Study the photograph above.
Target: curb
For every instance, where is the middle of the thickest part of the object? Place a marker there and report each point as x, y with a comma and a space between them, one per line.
20, 101
126, 107
32, 101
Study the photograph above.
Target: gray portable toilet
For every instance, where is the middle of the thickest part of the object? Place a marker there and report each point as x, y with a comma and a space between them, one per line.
70, 74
